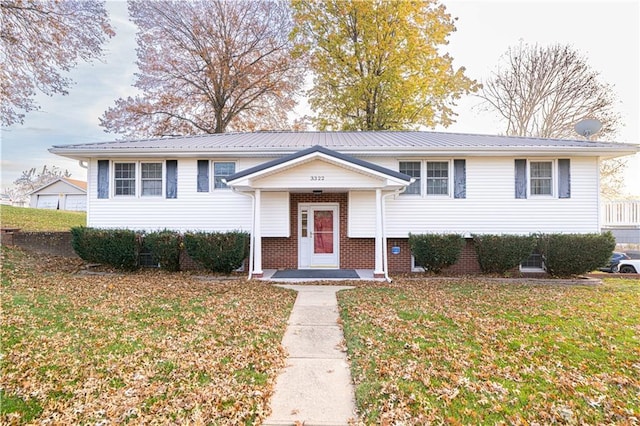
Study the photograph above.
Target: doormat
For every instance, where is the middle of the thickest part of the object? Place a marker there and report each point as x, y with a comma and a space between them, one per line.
317, 273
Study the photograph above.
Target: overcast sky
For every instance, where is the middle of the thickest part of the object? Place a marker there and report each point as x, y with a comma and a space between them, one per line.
606, 32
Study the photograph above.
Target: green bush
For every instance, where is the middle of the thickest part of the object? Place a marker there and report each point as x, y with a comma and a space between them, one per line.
218, 251
500, 253
165, 247
435, 252
574, 254
119, 248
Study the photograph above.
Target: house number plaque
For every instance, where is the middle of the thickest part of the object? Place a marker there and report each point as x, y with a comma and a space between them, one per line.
317, 177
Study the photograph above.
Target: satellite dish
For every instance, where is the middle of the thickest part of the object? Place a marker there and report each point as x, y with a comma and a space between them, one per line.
588, 127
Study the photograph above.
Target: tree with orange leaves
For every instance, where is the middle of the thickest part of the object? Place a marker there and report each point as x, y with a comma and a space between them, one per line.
41, 41
209, 67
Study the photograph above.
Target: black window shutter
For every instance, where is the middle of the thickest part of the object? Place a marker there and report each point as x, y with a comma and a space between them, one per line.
521, 178
459, 179
203, 175
564, 178
103, 178
172, 178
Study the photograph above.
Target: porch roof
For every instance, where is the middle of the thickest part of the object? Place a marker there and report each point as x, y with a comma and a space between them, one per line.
317, 152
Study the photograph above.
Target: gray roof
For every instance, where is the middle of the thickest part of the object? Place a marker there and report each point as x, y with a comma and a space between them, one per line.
382, 142
323, 150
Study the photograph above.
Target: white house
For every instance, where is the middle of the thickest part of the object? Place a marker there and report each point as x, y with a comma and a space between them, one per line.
60, 194
344, 199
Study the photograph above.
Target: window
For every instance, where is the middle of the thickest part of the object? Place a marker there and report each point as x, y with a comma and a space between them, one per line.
533, 263
220, 171
437, 178
534, 178
541, 177
125, 178
137, 178
411, 168
151, 179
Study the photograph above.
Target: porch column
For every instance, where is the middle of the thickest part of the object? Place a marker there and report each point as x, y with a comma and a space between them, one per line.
257, 237
378, 271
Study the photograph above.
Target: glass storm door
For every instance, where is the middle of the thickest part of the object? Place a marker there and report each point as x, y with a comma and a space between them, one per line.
319, 237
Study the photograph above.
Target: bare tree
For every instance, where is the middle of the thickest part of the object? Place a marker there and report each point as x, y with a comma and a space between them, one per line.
209, 67
33, 179
41, 40
543, 91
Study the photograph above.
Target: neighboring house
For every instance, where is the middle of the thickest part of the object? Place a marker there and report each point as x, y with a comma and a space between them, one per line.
345, 199
61, 194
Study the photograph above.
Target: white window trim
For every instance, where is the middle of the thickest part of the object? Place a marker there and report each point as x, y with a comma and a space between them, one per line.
554, 177
138, 179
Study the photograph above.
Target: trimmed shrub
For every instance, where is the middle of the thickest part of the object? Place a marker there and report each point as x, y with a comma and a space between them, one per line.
165, 247
573, 254
218, 251
435, 252
119, 248
500, 253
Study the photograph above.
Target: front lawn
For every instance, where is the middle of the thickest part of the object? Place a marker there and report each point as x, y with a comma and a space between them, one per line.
143, 348
33, 220
476, 352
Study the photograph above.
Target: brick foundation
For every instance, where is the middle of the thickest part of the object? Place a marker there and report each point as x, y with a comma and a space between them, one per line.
355, 253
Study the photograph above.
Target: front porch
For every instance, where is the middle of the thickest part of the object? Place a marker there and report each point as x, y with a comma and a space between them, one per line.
318, 209
311, 275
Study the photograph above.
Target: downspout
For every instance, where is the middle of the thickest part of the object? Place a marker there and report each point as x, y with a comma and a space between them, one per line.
385, 257
253, 221
83, 164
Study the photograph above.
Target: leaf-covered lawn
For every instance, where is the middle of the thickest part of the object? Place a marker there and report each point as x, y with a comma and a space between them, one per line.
474, 352
33, 220
153, 348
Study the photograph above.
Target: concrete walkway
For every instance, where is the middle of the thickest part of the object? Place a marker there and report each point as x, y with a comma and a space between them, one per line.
315, 388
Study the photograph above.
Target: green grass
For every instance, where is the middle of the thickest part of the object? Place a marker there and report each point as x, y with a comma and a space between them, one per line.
483, 353
32, 220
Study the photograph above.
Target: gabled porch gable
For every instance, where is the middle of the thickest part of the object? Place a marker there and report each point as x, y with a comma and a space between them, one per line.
304, 170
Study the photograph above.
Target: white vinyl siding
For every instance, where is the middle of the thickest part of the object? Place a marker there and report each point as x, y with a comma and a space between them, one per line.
317, 174
362, 214
490, 206
192, 210
275, 214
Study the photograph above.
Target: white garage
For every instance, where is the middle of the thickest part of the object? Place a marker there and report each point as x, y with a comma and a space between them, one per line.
61, 194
